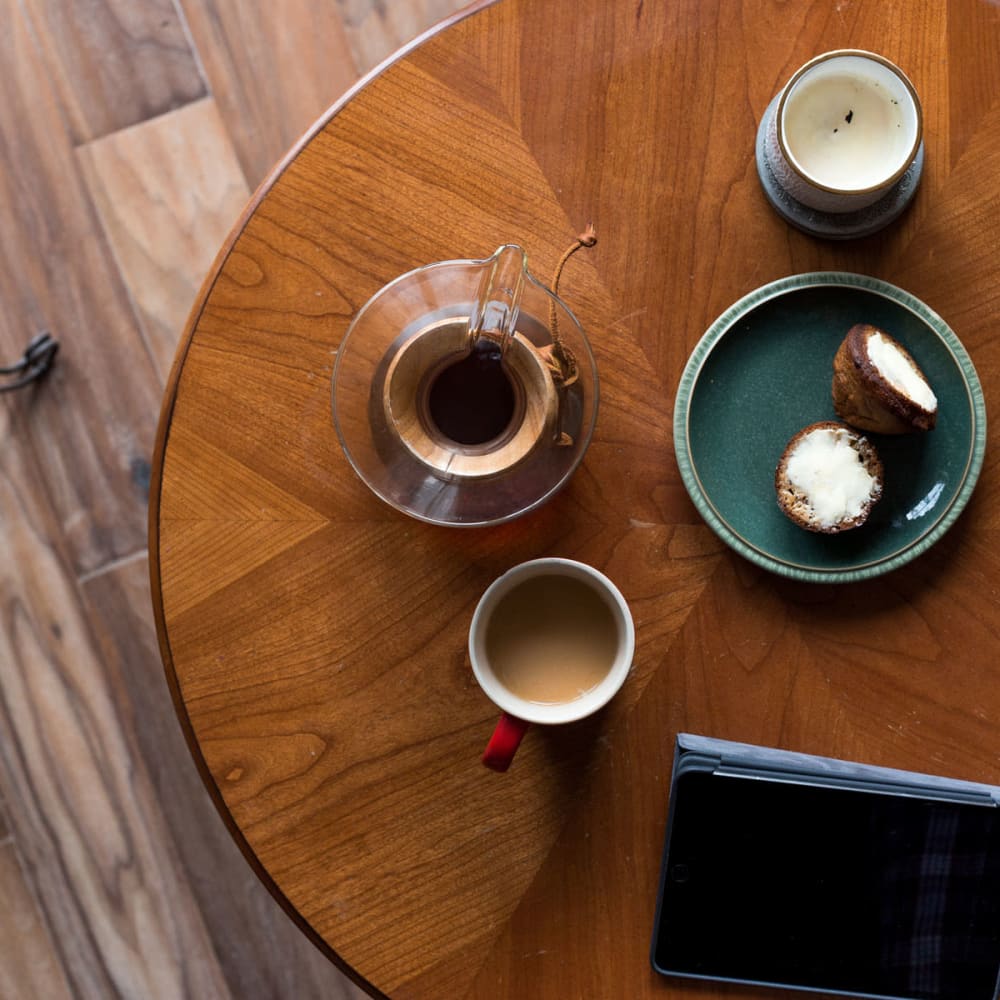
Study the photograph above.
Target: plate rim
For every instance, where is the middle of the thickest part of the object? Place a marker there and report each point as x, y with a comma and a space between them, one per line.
715, 333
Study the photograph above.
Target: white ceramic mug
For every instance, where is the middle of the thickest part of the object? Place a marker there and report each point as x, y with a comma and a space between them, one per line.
518, 712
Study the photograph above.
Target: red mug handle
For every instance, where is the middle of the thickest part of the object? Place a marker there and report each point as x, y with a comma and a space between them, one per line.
504, 742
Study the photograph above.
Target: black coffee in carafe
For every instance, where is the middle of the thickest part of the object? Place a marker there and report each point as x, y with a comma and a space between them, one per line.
472, 401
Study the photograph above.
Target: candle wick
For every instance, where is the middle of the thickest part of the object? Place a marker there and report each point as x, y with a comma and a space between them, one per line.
849, 116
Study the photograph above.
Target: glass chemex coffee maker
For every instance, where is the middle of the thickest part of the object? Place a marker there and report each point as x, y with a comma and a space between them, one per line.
465, 392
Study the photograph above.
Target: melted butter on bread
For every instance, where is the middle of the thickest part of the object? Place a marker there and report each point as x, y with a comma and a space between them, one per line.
899, 371
829, 478
826, 467
878, 386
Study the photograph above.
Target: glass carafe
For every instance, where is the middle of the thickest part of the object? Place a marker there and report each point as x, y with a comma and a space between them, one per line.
465, 392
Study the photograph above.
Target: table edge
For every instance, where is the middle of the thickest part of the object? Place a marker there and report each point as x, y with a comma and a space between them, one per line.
156, 483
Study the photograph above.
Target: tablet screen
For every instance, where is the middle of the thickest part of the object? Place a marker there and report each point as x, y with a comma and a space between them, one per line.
830, 889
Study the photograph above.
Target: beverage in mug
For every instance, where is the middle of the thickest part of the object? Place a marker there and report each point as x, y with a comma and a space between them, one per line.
551, 641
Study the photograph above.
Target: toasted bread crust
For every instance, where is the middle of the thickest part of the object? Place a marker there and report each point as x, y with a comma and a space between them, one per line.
864, 399
795, 504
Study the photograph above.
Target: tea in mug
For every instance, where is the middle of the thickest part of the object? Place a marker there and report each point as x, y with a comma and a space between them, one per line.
551, 639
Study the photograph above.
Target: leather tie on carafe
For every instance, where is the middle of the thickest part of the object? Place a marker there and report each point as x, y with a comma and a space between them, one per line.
559, 358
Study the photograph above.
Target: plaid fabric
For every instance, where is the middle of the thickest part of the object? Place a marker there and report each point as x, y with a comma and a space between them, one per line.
939, 918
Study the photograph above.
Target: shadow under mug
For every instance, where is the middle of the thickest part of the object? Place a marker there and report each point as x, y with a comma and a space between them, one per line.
519, 713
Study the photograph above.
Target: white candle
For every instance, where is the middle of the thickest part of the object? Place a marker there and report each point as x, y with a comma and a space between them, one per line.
849, 122
847, 127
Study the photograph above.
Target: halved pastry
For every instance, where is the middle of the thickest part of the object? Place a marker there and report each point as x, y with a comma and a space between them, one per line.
877, 385
829, 478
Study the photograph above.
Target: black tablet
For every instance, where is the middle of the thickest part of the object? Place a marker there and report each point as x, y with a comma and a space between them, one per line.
794, 871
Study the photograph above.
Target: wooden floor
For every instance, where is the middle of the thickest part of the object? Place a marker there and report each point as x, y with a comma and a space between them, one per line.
131, 134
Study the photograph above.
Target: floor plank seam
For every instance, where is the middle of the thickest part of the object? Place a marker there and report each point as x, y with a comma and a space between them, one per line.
112, 566
195, 51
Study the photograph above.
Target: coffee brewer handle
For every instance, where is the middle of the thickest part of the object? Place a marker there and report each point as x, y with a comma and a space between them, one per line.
494, 314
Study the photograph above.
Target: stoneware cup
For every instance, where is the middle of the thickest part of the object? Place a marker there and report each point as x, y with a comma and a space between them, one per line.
517, 714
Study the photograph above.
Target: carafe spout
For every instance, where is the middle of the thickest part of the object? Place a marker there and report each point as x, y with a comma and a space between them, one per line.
494, 313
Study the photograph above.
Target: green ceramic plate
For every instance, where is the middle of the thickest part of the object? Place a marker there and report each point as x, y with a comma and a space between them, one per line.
763, 371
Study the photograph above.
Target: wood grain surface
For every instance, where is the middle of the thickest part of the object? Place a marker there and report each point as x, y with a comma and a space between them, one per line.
130, 135
31, 964
315, 639
114, 63
272, 68
167, 192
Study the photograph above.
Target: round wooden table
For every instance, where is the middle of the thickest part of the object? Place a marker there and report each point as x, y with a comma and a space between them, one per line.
315, 639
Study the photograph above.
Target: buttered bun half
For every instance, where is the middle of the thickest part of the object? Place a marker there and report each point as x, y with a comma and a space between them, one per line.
829, 478
878, 387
